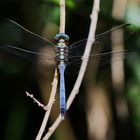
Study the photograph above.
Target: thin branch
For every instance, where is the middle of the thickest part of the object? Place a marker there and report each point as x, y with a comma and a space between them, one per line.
55, 81
90, 41
36, 101
62, 16
49, 106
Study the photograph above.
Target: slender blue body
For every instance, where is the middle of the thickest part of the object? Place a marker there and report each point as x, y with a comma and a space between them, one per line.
62, 93
61, 58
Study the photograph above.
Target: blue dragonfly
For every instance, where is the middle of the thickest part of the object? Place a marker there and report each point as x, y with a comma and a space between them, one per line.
16, 39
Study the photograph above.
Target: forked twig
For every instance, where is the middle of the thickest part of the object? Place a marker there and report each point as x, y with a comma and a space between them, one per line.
90, 41
49, 106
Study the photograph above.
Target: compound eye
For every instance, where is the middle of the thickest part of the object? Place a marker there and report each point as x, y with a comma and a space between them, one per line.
61, 36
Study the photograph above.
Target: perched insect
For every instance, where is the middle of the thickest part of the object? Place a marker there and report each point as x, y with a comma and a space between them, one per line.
18, 40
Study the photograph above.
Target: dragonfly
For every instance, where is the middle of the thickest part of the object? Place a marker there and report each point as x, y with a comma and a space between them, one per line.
17, 40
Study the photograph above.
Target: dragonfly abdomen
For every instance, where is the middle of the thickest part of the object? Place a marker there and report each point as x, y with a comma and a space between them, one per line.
62, 93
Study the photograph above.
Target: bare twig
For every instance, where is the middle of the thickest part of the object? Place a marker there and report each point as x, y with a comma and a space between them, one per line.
36, 101
55, 81
90, 41
62, 16
49, 106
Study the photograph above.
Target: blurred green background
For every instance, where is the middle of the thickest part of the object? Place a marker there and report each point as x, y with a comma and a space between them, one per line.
105, 108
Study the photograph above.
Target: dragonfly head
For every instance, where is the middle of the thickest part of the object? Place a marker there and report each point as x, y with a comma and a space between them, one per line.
62, 36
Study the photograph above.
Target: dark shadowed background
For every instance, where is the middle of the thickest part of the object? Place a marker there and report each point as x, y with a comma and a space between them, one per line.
108, 104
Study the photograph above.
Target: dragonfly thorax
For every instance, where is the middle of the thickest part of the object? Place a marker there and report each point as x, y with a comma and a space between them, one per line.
61, 48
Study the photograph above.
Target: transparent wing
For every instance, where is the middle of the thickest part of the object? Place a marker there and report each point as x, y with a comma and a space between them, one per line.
18, 40
101, 44
101, 48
